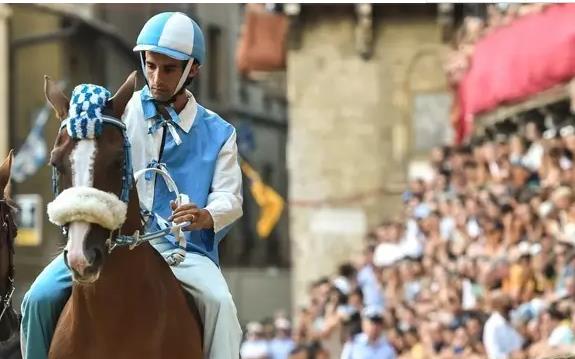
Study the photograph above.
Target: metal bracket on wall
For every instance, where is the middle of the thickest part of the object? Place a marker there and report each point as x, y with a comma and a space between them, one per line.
364, 30
293, 11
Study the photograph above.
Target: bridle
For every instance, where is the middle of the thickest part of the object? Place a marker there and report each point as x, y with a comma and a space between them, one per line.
127, 172
128, 179
7, 228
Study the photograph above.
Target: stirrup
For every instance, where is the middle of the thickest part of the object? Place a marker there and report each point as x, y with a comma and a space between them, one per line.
174, 259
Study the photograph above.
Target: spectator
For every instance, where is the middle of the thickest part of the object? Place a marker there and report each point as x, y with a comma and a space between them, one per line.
561, 333
499, 337
371, 343
255, 346
367, 280
282, 344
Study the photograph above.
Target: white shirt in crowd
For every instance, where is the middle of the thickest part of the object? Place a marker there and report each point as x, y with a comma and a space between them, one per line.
534, 156
255, 349
561, 335
360, 348
500, 338
280, 348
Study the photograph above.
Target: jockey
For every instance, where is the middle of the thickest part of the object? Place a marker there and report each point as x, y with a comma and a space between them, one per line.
169, 130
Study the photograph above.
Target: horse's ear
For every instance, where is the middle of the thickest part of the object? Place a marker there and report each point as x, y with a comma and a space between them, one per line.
123, 95
60, 103
5, 169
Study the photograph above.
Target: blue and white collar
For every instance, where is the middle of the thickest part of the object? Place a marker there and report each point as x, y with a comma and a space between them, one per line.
184, 120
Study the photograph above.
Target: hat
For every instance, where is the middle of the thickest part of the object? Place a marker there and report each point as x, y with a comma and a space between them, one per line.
372, 313
282, 324
254, 328
173, 34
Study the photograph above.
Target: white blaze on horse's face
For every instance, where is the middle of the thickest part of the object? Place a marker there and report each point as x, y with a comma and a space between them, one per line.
82, 165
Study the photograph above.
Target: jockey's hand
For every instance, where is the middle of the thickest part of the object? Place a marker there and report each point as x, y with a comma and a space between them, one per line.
199, 218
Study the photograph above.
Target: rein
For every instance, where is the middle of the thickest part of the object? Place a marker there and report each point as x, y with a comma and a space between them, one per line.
134, 240
7, 298
7, 228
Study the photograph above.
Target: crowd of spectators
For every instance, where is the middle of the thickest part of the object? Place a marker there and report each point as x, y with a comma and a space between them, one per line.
479, 264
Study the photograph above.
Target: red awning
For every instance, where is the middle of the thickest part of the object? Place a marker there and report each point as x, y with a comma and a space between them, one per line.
532, 54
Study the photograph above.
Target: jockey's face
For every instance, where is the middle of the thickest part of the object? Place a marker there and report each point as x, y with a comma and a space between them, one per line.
163, 74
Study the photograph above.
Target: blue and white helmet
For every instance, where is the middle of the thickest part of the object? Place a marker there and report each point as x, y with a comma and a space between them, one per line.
175, 35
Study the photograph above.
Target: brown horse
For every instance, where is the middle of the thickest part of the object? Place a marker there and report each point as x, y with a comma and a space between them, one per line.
124, 303
9, 322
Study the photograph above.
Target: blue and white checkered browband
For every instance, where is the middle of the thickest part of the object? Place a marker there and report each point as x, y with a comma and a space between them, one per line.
85, 114
85, 121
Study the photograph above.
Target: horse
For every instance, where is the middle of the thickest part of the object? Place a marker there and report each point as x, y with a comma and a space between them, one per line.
125, 303
9, 320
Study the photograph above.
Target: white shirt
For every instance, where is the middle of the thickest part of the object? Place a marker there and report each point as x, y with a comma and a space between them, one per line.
499, 337
561, 335
386, 254
255, 349
360, 348
280, 348
225, 198
534, 156
370, 287
468, 297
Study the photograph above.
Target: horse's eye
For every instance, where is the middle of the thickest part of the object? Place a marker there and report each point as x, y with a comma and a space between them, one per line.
57, 165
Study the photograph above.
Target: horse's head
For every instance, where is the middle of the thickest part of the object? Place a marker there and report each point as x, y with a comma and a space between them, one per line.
91, 172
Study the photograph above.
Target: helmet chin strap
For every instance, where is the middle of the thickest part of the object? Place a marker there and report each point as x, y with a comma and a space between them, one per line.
183, 79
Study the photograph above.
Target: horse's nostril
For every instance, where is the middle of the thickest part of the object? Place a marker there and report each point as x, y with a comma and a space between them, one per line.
91, 256
94, 256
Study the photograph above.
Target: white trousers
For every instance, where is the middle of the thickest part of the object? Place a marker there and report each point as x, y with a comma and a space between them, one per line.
201, 278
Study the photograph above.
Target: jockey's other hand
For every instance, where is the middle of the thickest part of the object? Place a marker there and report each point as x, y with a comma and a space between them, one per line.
199, 218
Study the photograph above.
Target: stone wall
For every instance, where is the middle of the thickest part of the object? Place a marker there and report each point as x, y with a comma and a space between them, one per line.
349, 133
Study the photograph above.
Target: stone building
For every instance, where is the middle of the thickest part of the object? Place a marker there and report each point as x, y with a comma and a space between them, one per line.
364, 84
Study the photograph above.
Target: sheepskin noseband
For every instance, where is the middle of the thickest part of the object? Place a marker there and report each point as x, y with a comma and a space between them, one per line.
87, 204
